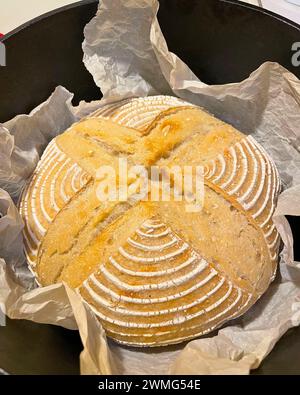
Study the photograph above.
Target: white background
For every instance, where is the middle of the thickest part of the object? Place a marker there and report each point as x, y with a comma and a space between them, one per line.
15, 12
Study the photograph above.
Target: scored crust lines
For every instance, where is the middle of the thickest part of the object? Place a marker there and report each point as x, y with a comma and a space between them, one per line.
243, 174
103, 299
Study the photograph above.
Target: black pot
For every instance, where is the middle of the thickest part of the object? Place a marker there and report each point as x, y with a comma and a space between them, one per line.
221, 40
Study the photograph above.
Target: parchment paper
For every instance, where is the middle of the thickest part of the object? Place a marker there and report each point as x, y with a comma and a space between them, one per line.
127, 55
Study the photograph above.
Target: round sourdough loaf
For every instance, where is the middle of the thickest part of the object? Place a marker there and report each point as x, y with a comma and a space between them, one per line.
153, 272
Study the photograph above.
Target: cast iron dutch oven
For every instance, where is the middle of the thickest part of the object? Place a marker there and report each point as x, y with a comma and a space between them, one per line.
221, 40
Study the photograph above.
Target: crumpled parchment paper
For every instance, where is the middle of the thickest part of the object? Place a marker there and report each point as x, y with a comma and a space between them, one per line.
127, 55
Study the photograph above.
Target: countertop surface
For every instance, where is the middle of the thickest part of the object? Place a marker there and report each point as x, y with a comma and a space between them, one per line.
14, 13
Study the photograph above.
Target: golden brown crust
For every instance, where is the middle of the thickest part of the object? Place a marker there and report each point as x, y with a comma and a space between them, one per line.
153, 273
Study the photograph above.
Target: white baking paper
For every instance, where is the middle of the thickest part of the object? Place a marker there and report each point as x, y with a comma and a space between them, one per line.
127, 55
